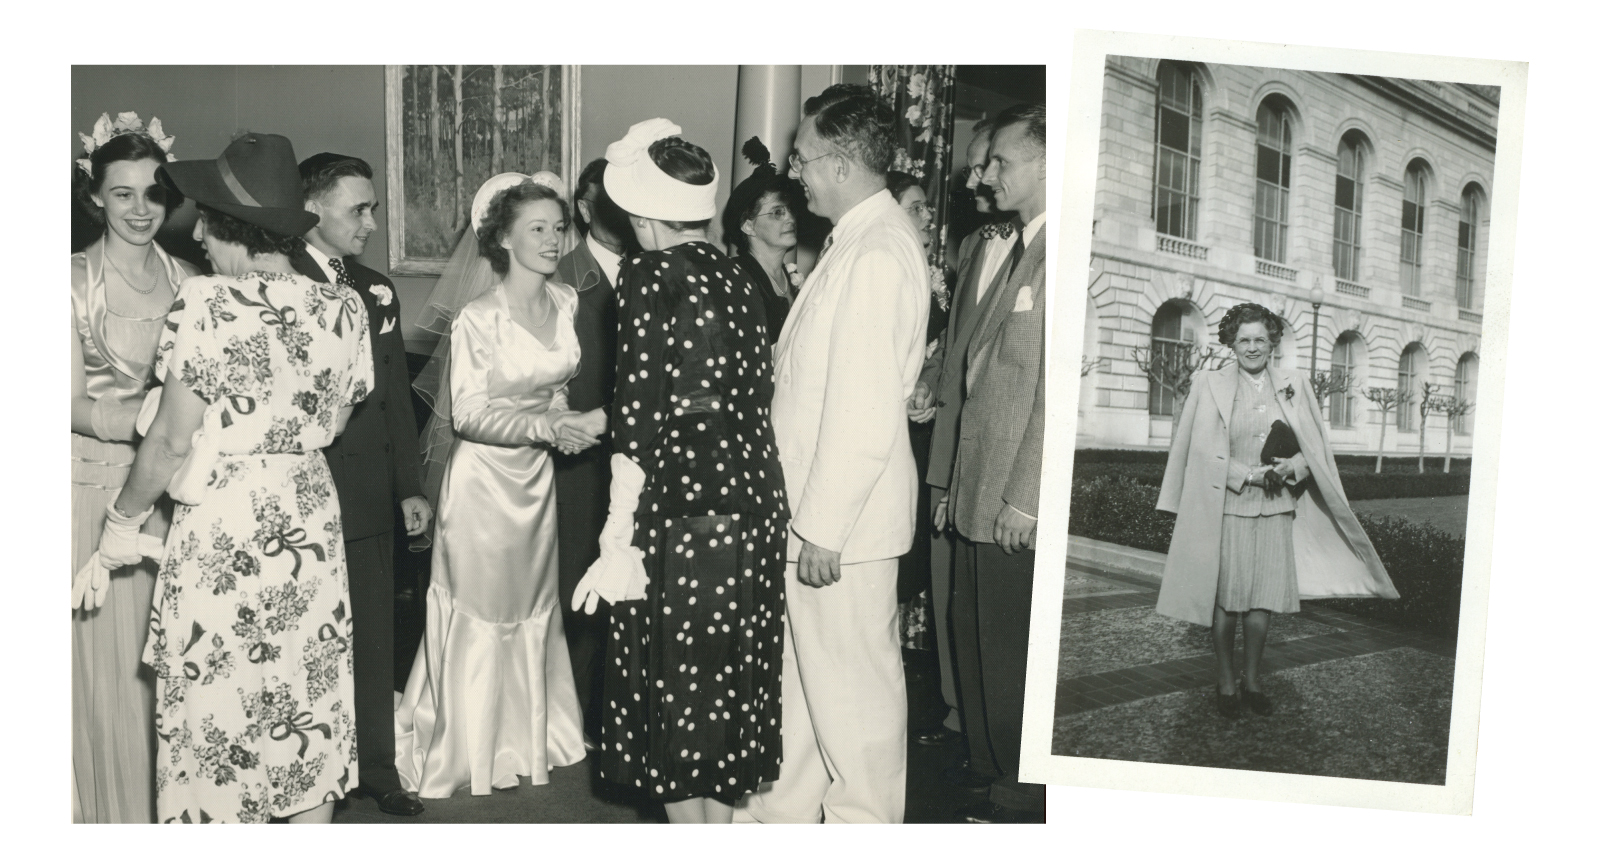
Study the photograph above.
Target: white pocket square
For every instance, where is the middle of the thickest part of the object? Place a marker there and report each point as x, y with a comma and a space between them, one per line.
388, 325
1024, 300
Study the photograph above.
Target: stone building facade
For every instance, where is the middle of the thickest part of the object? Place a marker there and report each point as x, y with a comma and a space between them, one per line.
1221, 184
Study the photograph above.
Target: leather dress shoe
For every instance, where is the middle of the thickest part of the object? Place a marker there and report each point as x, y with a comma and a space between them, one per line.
940, 735
400, 803
1228, 704
961, 776
989, 813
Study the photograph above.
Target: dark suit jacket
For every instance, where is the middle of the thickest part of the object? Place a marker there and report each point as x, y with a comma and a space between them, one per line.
375, 462
584, 479
945, 370
776, 306
1002, 423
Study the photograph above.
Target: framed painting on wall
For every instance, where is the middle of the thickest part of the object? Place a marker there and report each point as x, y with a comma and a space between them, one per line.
452, 127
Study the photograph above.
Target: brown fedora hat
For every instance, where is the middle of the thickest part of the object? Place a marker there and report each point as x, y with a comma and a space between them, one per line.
255, 180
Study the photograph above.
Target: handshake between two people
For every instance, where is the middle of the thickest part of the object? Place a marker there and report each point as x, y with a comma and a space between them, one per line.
577, 431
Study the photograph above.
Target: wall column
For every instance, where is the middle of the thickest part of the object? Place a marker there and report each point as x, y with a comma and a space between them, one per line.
769, 108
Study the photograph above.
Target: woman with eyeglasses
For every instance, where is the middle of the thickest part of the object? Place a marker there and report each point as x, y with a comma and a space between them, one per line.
759, 225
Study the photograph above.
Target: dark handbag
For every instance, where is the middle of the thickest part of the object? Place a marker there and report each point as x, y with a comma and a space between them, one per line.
1280, 443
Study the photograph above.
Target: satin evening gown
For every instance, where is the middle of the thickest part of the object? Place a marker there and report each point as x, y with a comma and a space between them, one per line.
491, 695
113, 695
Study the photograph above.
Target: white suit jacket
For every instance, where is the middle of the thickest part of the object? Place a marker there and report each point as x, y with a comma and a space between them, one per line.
847, 359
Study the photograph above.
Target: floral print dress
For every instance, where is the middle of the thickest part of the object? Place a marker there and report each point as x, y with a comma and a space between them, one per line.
250, 630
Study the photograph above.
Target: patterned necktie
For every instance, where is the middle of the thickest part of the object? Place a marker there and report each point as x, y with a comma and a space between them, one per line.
1016, 257
997, 230
341, 273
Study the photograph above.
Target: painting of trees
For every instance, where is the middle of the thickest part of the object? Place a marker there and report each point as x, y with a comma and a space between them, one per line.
1387, 399
453, 126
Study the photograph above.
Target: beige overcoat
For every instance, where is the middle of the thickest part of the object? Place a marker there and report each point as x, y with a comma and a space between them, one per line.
1333, 557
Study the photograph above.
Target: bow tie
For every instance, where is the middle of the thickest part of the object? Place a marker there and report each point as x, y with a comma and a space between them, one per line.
997, 230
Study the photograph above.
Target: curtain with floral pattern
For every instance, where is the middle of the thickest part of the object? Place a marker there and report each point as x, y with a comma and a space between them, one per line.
924, 102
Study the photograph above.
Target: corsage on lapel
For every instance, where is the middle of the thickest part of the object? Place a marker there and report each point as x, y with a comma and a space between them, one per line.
1287, 393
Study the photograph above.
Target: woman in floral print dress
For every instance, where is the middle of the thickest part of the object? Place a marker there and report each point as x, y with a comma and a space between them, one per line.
249, 635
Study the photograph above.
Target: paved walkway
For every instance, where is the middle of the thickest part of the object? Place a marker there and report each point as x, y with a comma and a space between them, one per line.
1355, 697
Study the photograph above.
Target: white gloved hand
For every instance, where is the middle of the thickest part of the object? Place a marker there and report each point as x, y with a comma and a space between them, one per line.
121, 544
618, 575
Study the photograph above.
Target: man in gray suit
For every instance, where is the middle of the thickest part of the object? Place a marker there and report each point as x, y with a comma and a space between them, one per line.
940, 392
994, 489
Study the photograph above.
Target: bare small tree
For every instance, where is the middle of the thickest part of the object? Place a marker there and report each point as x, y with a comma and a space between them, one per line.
1387, 399
1088, 366
1172, 367
1427, 403
1328, 382
1454, 408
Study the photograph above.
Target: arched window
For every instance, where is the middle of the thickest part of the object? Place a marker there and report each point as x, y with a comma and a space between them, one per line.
1342, 405
1272, 182
1413, 363
1411, 212
1172, 337
1466, 247
1177, 198
1466, 390
1348, 191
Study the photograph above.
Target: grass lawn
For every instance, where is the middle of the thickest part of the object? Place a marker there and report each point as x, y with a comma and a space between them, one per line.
1447, 513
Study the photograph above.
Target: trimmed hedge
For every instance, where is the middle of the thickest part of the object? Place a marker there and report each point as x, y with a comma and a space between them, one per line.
1399, 480
1424, 561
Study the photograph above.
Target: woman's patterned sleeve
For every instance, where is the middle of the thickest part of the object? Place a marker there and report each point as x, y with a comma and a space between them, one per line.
188, 350
644, 371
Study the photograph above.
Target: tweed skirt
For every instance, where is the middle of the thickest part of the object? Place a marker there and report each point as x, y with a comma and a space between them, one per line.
1257, 564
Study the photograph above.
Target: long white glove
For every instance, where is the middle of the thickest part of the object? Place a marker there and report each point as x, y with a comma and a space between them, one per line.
121, 544
618, 576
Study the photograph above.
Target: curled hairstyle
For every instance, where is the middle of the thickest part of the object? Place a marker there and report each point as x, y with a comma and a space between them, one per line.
502, 212
899, 183
258, 241
1030, 117
123, 147
857, 122
687, 163
1244, 314
319, 179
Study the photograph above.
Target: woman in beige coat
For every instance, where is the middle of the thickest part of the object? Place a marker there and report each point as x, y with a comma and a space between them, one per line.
1254, 538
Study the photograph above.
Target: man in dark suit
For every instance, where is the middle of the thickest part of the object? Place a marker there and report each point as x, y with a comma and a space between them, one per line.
994, 487
583, 480
374, 462
940, 392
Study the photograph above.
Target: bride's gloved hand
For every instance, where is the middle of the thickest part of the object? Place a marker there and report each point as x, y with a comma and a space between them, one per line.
618, 576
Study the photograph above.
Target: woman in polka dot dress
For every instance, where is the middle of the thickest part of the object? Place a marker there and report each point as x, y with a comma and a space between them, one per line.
692, 711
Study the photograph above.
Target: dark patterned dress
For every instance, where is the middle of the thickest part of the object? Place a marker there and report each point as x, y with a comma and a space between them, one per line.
692, 679
250, 631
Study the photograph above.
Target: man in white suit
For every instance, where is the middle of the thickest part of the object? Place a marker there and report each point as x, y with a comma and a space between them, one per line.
846, 363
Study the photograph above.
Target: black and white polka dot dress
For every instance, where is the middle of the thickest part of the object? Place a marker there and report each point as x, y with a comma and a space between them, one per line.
692, 671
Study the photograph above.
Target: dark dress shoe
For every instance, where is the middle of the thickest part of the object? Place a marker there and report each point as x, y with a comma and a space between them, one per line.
400, 803
1228, 704
961, 776
1257, 701
989, 813
940, 735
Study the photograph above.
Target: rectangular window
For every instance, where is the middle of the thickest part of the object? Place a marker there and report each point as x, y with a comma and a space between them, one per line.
1466, 251
1342, 406
1177, 190
1411, 216
1347, 193
1406, 383
1272, 185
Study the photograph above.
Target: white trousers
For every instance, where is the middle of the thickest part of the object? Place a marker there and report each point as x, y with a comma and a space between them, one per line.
844, 704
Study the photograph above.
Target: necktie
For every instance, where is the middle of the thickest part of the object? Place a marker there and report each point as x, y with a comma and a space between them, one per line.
1016, 256
341, 273
997, 230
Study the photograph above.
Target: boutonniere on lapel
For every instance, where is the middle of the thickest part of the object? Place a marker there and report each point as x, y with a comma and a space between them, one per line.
1287, 393
384, 295
796, 279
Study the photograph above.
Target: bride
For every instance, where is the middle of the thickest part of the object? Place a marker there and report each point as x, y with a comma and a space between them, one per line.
491, 696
